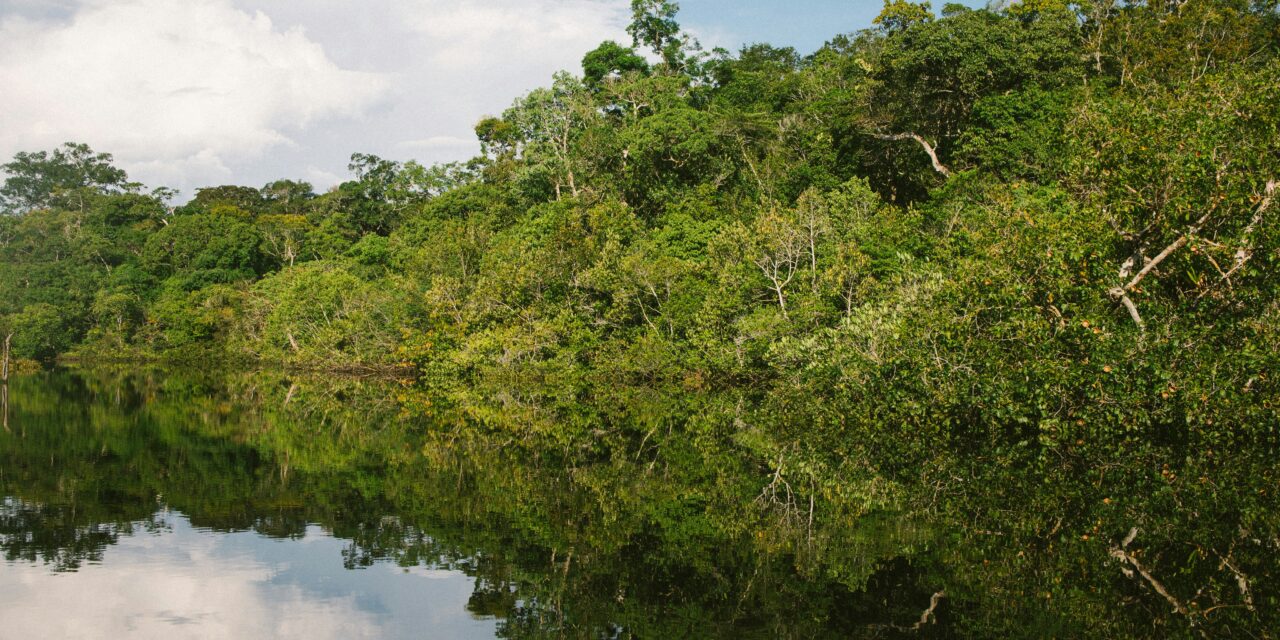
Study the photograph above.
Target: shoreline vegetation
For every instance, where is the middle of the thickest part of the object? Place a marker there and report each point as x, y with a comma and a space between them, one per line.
1024, 255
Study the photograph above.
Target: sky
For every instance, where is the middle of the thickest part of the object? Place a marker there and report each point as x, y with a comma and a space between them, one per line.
191, 93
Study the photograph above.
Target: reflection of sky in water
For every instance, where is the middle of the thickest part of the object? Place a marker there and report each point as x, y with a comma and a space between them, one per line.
190, 583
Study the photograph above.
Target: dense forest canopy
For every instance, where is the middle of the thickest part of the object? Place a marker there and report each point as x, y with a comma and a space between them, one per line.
1033, 216
974, 217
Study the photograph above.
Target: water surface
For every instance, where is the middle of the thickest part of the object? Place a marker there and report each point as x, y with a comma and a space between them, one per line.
162, 504
166, 578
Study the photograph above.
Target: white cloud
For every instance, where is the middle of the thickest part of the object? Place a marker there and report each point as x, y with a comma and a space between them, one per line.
442, 142
191, 93
178, 90
453, 62
512, 36
317, 176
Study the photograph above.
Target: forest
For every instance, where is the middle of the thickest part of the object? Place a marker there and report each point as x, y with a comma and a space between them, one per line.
1029, 219
1037, 240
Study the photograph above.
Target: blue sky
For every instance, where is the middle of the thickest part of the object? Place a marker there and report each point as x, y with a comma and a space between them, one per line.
190, 93
803, 24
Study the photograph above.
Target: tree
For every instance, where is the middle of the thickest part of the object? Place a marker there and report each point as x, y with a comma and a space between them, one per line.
900, 15
550, 123
287, 196
205, 249
1170, 42
384, 191
611, 59
322, 312
930, 76
233, 200
42, 179
1188, 187
117, 315
653, 24
498, 137
283, 236
781, 245
41, 332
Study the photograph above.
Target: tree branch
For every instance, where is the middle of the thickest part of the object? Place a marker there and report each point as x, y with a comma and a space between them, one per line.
1120, 553
1245, 252
925, 617
1168, 251
1121, 294
928, 148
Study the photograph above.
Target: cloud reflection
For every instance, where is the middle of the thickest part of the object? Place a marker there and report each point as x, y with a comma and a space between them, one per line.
191, 583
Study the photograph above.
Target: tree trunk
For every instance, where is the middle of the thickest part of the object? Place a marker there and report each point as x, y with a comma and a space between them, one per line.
4, 368
4, 383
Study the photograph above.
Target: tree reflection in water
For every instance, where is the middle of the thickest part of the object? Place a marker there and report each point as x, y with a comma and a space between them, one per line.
651, 513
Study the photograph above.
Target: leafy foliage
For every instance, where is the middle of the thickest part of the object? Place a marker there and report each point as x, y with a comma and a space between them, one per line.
1035, 236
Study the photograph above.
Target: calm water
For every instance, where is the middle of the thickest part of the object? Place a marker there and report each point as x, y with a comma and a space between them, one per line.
262, 504
166, 578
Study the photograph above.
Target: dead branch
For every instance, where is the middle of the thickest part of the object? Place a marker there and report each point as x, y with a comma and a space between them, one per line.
4, 368
1168, 251
929, 615
1123, 297
779, 494
1121, 294
1242, 581
1121, 553
928, 148
1245, 252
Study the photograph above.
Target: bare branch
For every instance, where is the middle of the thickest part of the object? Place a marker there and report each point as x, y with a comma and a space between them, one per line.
1245, 252
1168, 251
1123, 297
1242, 581
1121, 553
929, 614
4, 368
928, 148
1121, 294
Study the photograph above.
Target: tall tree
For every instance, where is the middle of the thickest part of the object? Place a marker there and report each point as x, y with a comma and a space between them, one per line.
610, 59
45, 179
653, 24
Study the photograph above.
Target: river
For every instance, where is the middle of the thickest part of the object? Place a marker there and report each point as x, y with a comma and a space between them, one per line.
161, 504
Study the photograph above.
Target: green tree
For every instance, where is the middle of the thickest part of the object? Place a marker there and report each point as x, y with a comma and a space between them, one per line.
653, 24
43, 179
41, 332
202, 249
611, 59
229, 200
288, 197
900, 15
